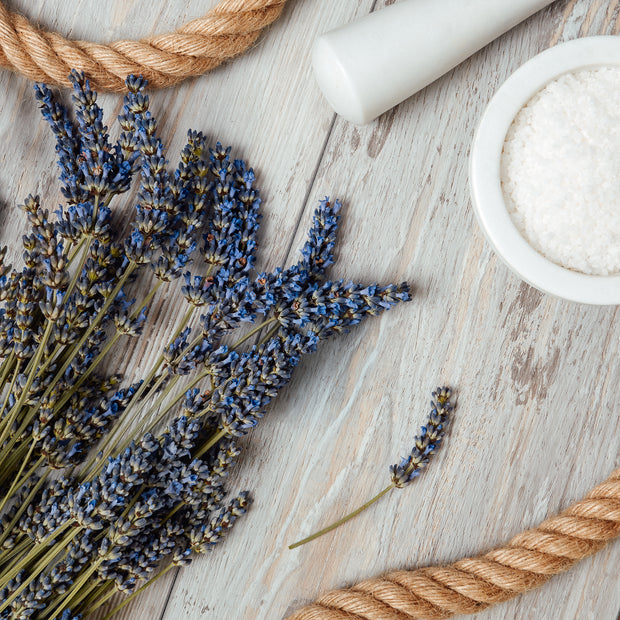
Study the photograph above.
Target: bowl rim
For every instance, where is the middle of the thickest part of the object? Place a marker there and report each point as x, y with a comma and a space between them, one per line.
485, 176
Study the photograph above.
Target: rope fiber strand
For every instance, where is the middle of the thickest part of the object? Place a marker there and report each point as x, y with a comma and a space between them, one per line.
473, 584
227, 30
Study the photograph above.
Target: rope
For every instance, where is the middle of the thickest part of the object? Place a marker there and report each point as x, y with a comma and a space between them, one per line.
473, 584
226, 30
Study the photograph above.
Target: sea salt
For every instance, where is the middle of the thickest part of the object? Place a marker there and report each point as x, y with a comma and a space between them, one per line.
560, 171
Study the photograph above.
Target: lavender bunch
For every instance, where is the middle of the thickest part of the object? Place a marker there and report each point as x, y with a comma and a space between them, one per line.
141, 466
410, 467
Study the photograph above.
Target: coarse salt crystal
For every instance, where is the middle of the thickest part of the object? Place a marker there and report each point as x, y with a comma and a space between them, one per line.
560, 171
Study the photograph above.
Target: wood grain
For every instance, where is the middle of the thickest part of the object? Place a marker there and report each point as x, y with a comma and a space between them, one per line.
537, 423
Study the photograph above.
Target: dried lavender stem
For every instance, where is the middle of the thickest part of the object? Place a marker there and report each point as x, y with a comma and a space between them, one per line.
174, 511
145, 384
108, 443
105, 596
7, 555
35, 367
117, 335
10, 464
130, 504
7, 422
192, 383
69, 393
338, 523
85, 596
269, 335
34, 552
151, 425
104, 351
253, 331
73, 590
160, 360
425, 446
62, 353
75, 250
52, 357
18, 482
99, 594
31, 412
84, 247
210, 443
146, 426
147, 300
6, 367
186, 319
22, 508
197, 379
42, 367
150, 582
94, 323
36, 361
8, 449
108, 446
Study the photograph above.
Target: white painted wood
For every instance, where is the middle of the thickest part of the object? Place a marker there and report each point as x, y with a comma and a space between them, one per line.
537, 422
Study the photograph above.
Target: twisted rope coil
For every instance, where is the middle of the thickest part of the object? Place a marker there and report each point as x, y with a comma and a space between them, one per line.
473, 584
227, 30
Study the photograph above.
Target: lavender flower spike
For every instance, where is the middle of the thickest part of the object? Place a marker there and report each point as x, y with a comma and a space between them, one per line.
427, 442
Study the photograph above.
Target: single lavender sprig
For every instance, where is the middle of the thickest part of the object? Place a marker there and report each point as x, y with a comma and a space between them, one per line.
426, 444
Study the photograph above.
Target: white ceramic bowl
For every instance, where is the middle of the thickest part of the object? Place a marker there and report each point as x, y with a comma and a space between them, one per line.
484, 171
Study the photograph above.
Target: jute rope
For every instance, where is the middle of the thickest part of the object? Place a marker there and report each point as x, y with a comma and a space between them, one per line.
226, 30
472, 584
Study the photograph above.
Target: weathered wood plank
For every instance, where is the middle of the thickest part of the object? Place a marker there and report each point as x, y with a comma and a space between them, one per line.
534, 374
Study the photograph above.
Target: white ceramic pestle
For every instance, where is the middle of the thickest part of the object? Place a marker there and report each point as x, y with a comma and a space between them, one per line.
368, 66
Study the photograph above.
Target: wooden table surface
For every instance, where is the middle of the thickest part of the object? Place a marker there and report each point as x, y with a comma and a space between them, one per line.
537, 423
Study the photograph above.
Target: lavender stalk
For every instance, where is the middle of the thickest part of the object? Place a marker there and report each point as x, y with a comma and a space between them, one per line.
426, 444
